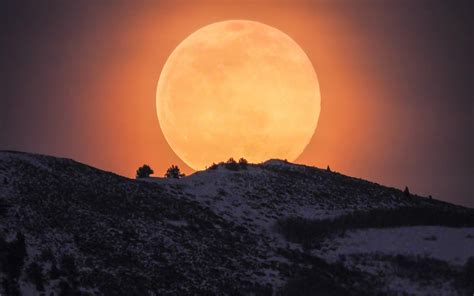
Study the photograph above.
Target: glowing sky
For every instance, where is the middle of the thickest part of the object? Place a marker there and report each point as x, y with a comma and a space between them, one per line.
79, 80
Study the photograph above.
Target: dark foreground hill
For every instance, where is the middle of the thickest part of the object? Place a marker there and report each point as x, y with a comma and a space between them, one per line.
270, 229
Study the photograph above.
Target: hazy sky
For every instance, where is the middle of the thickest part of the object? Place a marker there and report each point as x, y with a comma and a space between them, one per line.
396, 78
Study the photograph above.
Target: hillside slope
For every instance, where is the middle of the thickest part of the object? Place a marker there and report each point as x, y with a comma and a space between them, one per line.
69, 229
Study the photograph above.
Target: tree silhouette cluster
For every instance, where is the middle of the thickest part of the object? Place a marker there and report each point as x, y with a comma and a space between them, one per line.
233, 165
174, 172
144, 171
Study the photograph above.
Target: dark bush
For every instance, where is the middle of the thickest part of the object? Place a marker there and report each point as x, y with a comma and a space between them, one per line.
12, 259
467, 276
4, 206
68, 266
144, 171
54, 272
47, 255
406, 191
15, 258
174, 172
65, 289
11, 287
243, 163
34, 273
232, 165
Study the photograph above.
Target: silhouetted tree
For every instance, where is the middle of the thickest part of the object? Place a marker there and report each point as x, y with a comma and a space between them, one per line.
144, 171
174, 172
243, 163
232, 165
407, 191
328, 169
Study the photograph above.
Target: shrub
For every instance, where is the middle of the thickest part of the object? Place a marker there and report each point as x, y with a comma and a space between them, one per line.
54, 273
47, 255
11, 287
16, 256
68, 266
174, 172
4, 206
65, 289
12, 259
144, 171
34, 273
243, 163
232, 165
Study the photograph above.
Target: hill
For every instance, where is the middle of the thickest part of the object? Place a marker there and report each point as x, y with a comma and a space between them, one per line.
265, 229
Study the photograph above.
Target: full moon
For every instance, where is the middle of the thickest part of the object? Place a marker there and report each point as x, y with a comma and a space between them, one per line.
237, 89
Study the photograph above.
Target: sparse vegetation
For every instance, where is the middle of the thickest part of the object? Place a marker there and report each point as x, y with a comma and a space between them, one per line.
327, 279
308, 231
213, 166
114, 231
243, 163
174, 172
144, 171
232, 165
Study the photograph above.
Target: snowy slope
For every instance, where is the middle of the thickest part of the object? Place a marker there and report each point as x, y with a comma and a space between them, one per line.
215, 232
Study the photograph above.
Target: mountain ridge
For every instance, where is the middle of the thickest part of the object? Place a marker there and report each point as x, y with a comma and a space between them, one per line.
214, 232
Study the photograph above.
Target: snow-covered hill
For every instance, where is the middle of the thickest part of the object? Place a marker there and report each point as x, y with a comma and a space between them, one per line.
273, 228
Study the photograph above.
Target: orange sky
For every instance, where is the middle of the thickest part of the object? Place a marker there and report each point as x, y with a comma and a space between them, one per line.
84, 75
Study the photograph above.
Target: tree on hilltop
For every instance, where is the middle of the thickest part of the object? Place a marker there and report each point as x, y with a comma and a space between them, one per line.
144, 171
232, 165
243, 163
407, 191
174, 172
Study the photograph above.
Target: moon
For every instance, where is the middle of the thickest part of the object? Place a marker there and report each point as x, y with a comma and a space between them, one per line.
237, 89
